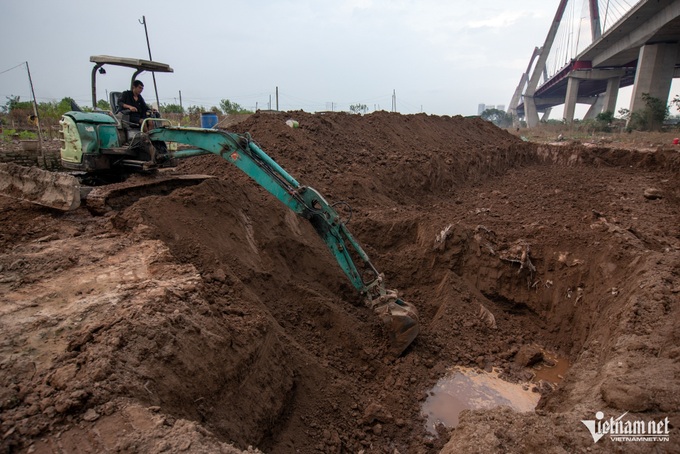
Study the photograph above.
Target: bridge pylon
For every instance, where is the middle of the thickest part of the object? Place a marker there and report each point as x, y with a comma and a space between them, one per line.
641, 47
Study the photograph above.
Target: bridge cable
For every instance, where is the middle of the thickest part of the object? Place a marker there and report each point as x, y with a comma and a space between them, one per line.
580, 24
606, 12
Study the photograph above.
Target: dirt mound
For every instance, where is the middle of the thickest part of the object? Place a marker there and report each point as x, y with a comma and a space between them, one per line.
381, 158
213, 315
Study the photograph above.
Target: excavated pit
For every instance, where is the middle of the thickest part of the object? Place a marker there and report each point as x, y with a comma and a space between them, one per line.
213, 315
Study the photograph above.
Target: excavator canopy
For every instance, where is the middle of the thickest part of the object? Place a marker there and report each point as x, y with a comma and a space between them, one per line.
144, 65
135, 63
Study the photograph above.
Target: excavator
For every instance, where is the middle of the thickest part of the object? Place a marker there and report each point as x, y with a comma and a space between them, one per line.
102, 148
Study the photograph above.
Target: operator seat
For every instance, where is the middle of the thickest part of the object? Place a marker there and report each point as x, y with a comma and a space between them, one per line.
128, 129
114, 97
123, 115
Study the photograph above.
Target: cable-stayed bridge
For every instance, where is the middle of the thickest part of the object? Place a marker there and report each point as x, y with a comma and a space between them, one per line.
595, 47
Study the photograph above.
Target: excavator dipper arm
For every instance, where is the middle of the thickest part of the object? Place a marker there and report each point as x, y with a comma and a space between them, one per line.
400, 317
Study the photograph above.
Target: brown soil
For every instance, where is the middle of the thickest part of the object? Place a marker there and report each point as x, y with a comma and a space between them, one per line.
214, 320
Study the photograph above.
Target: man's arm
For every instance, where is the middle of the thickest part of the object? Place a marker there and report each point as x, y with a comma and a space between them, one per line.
125, 100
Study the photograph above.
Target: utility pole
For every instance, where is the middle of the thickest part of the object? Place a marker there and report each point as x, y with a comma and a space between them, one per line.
180, 101
394, 100
153, 74
277, 99
37, 117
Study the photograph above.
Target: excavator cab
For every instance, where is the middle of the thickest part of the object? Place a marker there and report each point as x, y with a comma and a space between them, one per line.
90, 144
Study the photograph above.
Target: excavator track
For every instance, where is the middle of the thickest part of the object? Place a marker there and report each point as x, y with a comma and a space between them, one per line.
66, 192
116, 196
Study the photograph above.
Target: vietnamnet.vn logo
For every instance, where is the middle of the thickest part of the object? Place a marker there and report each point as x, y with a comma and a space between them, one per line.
620, 430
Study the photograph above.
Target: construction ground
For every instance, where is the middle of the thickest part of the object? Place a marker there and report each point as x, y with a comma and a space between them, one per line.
213, 320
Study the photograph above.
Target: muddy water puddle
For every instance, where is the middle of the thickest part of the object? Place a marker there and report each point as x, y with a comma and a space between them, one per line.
471, 389
552, 369
463, 389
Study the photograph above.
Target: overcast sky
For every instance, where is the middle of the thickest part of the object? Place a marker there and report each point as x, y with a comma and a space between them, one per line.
440, 56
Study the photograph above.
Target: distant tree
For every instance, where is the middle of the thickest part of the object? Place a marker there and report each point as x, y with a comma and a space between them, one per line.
676, 102
192, 115
16, 110
8, 104
53, 110
605, 117
65, 105
358, 108
173, 108
14, 102
230, 107
500, 118
103, 105
195, 110
49, 111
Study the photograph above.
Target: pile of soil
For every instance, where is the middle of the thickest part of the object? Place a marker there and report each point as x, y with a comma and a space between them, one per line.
213, 319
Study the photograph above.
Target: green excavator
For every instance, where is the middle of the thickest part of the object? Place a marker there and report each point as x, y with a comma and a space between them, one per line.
102, 149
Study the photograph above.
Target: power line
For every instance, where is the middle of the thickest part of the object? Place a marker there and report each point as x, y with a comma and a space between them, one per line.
14, 67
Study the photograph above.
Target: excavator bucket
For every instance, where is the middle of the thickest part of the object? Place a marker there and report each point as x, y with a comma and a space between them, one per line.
51, 189
400, 320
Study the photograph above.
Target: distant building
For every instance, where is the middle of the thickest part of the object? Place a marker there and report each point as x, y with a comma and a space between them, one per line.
480, 108
501, 107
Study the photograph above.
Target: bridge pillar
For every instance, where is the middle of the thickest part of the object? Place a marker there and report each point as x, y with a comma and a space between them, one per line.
571, 98
546, 114
611, 95
530, 112
654, 74
595, 108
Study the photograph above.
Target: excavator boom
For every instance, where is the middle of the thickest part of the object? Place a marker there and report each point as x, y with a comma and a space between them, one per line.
399, 317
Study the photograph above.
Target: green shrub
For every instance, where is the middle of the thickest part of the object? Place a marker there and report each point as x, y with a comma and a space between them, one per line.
7, 134
650, 118
27, 135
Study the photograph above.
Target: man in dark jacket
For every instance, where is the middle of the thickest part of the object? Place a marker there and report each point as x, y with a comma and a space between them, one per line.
132, 100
